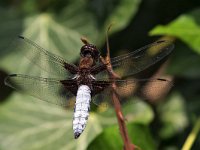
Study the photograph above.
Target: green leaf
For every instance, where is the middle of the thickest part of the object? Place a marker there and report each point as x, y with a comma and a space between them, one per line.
40, 125
122, 14
179, 66
46, 32
37, 125
61, 34
92, 18
10, 26
141, 136
186, 27
110, 138
138, 111
77, 17
135, 110
173, 116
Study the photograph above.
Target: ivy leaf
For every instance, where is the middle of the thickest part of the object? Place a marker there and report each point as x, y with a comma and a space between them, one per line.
110, 138
61, 34
10, 25
40, 125
138, 111
186, 27
184, 67
173, 116
34, 125
122, 14
77, 17
92, 18
47, 33
134, 110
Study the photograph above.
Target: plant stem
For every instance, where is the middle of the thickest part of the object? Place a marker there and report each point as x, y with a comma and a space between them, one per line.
115, 99
192, 136
121, 121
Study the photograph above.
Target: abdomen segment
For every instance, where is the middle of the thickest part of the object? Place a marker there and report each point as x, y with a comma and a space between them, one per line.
81, 110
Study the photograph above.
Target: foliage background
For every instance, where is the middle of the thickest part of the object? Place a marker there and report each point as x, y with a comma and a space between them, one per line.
57, 26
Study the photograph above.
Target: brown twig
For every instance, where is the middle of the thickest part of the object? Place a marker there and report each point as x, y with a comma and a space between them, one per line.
115, 99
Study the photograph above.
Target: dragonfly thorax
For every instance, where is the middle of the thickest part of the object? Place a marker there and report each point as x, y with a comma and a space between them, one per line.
86, 63
84, 77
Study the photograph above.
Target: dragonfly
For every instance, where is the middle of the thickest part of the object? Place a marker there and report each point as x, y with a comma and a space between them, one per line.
87, 81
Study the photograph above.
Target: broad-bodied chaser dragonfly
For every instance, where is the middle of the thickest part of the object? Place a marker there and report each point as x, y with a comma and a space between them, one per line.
84, 81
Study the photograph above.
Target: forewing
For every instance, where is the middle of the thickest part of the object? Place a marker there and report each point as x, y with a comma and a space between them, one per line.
140, 59
47, 61
50, 90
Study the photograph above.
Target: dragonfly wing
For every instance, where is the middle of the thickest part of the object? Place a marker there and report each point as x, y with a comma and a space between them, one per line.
50, 90
144, 88
140, 59
101, 91
47, 61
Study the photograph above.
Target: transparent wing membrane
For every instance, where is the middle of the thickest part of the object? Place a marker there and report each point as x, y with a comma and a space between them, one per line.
47, 61
61, 89
143, 88
50, 90
140, 59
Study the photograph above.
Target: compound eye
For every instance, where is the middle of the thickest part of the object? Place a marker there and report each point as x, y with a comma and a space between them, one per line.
86, 53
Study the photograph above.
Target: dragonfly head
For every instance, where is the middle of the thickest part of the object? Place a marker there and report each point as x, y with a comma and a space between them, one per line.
89, 50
